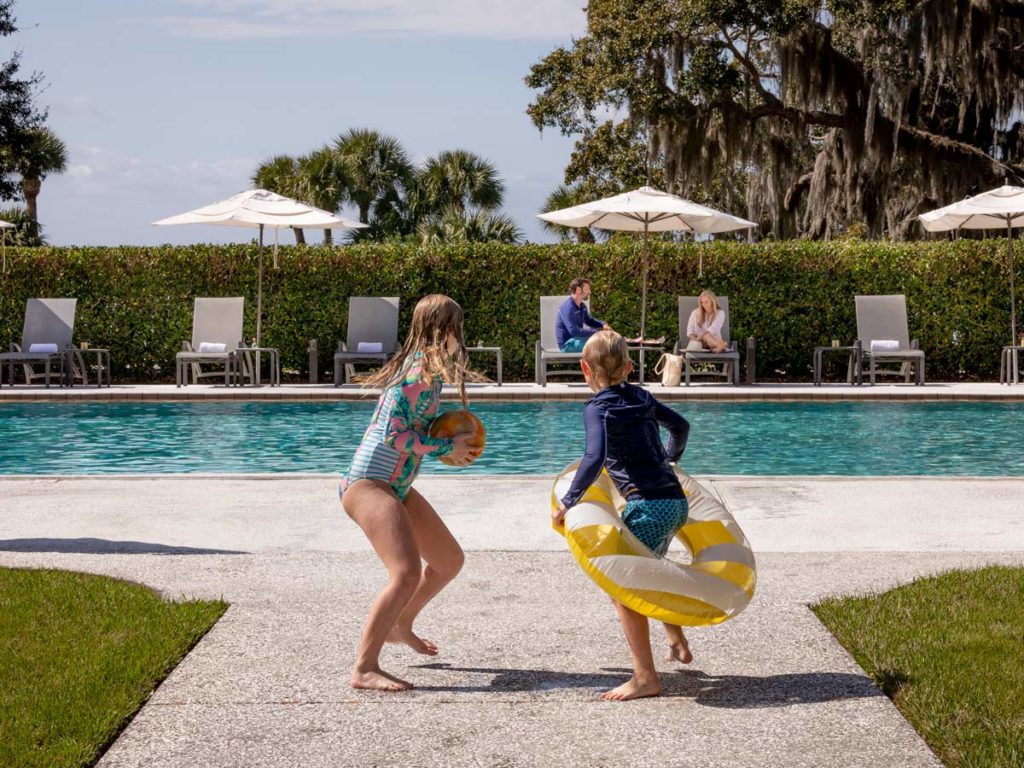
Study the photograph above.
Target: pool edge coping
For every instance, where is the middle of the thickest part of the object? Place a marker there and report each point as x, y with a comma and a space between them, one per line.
528, 392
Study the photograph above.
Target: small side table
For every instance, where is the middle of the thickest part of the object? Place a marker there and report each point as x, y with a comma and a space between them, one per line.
853, 367
101, 362
253, 357
1009, 364
497, 355
642, 349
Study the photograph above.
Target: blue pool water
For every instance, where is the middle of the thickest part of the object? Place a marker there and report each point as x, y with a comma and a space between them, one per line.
850, 438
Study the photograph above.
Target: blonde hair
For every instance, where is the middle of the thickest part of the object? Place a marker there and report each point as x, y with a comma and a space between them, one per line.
701, 317
608, 357
434, 319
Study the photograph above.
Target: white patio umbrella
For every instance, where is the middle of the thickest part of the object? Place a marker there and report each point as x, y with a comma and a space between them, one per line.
265, 210
647, 210
5, 225
995, 209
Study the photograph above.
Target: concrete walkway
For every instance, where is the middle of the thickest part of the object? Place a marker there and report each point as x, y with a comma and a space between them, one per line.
527, 640
526, 391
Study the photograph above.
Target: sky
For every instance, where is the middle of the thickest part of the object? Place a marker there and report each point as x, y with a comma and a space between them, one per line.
167, 105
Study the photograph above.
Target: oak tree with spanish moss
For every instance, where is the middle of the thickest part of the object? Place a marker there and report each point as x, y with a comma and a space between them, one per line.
815, 118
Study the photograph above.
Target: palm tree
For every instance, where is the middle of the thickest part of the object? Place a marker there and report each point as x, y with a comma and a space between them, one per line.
376, 166
566, 197
322, 182
459, 178
394, 217
41, 154
281, 174
455, 225
26, 232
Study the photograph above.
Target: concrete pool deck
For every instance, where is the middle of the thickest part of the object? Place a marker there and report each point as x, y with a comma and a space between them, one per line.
527, 640
520, 391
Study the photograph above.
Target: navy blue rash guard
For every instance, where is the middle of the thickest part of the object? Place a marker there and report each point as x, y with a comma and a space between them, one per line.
621, 423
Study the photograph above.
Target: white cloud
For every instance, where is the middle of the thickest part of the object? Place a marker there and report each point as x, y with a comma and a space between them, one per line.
78, 107
476, 19
97, 171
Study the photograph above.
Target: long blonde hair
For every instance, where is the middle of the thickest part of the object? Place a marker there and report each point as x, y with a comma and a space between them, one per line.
434, 319
701, 317
608, 357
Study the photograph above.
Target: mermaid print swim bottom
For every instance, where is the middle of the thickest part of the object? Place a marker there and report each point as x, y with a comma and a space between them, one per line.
655, 521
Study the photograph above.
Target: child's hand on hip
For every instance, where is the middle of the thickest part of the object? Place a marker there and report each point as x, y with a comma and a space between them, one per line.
558, 514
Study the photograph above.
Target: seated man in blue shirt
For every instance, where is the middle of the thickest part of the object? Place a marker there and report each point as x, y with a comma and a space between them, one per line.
574, 325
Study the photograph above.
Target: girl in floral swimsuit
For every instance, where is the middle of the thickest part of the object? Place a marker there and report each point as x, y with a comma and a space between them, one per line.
378, 494
397, 439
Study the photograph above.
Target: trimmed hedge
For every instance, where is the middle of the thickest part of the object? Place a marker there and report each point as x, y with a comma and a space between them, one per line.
790, 295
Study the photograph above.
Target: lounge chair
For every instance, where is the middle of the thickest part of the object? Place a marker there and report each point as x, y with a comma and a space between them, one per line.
884, 319
49, 326
729, 360
372, 323
546, 348
216, 333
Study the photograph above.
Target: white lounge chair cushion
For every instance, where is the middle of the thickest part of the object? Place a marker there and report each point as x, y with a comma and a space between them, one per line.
210, 346
42, 349
884, 345
374, 347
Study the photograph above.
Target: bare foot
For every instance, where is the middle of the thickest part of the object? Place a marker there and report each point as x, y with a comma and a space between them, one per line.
633, 689
377, 680
679, 652
414, 641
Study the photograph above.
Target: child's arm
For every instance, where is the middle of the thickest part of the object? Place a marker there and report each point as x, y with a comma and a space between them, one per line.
400, 432
593, 456
678, 430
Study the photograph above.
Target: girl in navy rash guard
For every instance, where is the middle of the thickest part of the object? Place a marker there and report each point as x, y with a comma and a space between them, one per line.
622, 426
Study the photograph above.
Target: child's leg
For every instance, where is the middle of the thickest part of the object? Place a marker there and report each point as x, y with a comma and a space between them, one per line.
678, 648
645, 678
384, 520
444, 560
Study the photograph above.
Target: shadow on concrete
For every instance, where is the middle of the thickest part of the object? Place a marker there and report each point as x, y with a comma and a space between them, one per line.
726, 691
507, 680
105, 547
749, 692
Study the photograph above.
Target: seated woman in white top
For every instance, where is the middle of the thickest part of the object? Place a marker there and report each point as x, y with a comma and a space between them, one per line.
705, 324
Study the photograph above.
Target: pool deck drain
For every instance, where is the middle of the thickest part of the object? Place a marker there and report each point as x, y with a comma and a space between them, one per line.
516, 392
527, 640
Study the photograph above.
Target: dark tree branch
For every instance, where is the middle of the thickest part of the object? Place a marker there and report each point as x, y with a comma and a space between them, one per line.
751, 68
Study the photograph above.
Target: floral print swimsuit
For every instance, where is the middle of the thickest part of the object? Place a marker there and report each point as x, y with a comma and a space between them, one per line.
398, 436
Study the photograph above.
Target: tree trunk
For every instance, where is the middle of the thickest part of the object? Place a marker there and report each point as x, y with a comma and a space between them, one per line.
300, 236
30, 189
328, 237
584, 235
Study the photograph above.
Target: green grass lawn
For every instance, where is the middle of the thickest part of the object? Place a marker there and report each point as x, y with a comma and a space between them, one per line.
79, 654
949, 651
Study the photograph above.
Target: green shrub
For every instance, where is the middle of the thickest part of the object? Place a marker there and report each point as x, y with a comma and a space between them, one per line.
790, 295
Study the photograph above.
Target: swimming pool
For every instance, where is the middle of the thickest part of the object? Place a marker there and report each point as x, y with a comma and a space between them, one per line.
757, 438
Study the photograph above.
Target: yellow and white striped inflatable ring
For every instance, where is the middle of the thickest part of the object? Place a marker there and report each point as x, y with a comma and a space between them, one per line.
715, 586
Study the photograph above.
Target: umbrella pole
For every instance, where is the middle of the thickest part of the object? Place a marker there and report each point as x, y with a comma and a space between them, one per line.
259, 292
1013, 291
643, 294
259, 313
